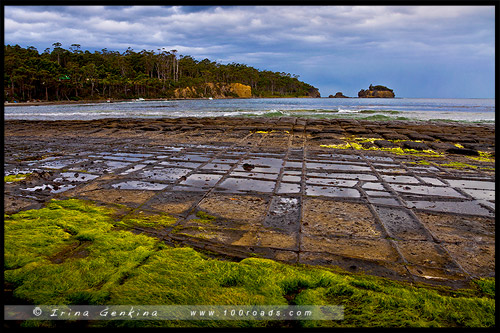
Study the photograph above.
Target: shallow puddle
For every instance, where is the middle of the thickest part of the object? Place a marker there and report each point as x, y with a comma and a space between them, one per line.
328, 191
185, 188
191, 158
378, 193
217, 166
359, 176
433, 181
116, 165
384, 201
427, 190
225, 160
136, 167
424, 169
336, 157
254, 175
172, 148
480, 194
288, 188
379, 158
472, 184
138, 185
463, 207
235, 185
400, 179
291, 178
373, 186
75, 177
122, 158
201, 180
190, 165
331, 182
264, 165
51, 188
332, 166
164, 174
391, 170
106, 166
59, 164
138, 155
293, 165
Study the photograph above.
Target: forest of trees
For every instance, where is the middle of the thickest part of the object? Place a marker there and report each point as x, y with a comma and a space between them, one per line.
58, 74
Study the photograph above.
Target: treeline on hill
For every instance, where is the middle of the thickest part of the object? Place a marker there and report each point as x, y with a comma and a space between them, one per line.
60, 74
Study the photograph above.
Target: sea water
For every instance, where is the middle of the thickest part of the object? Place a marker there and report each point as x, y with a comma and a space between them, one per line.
418, 109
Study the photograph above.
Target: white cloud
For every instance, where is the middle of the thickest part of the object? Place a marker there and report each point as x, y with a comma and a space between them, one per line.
111, 26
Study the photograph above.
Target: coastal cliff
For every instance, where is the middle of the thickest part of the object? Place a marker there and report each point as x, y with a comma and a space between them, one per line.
376, 92
313, 92
215, 90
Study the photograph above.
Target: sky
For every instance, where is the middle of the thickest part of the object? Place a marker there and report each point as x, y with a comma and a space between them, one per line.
418, 51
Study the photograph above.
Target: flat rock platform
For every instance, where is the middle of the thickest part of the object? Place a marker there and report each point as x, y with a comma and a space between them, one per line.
407, 201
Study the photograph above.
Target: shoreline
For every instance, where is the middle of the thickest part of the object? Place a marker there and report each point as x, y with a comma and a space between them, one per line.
36, 103
252, 120
441, 134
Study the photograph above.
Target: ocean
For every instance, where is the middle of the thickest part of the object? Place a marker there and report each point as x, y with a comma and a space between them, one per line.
414, 109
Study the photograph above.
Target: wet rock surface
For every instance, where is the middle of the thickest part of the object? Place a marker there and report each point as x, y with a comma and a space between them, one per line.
275, 188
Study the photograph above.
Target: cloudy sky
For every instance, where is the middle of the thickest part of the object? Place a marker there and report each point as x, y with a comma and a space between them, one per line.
419, 51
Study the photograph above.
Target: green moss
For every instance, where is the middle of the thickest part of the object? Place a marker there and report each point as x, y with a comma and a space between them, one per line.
125, 268
339, 146
487, 286
147, 220
356, 143
421, 162
204, 216
459, 165
483, 157
15, 178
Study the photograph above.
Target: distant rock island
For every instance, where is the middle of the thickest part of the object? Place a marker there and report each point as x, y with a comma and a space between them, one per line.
376, 92
338, 95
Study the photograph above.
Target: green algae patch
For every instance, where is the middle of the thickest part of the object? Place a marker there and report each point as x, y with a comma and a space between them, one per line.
31, 236
143, 219
338, 146
204, 217
361, 143
71, 252
15, 178
462, 166
483, 157
35, 238
421, 162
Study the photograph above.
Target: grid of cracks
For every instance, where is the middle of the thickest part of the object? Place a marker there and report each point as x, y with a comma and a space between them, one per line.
402, 204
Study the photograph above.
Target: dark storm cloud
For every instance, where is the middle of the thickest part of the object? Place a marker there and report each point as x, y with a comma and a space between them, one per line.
332, 47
